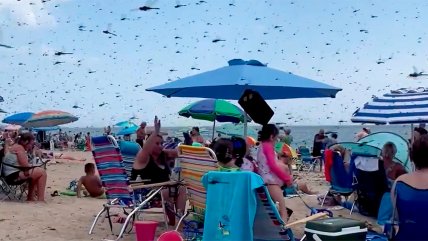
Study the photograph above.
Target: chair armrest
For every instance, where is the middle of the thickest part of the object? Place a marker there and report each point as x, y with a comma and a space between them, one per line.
160, 184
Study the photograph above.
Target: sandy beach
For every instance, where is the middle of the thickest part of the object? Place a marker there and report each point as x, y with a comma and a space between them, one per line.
69, 218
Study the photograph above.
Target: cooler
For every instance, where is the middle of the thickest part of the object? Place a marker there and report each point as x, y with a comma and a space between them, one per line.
335, 229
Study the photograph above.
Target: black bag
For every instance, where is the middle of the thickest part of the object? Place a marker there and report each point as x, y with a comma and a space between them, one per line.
256, 107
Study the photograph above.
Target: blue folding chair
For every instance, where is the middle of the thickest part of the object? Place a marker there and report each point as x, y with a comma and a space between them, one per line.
342, 180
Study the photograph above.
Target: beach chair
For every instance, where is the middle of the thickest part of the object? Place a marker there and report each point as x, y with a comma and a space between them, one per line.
119, 192
410, 205
239, 207
128, 150
306, 161
342, 181
16, 190
11, 191
372, 184
194, 162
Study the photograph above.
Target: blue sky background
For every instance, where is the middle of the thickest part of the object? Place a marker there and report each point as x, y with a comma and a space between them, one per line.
336, 42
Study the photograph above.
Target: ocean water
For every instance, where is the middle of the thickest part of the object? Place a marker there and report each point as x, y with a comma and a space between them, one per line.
302, 135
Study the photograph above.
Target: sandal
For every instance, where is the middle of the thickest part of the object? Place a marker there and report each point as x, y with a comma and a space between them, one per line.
55, 194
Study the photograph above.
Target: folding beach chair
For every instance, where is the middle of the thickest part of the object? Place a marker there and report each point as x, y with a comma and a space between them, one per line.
342, 181
307, 161
119, 192
11, 191
16, 190
128, 150
194, 162
239, 207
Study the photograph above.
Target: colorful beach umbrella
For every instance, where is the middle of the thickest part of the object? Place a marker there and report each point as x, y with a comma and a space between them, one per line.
49, 118
214, 110
402, 106
18, 119
231, 81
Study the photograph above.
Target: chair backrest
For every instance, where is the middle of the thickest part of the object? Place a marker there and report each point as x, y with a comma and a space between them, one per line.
412, 212
128, 150
342, 180
304, 151
372, 184
268, 224
110, 167
239, 203
194, 163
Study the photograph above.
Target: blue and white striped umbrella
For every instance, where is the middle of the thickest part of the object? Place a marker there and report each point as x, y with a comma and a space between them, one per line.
402, 106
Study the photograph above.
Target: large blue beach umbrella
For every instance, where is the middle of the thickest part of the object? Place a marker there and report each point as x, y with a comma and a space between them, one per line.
231, 81
403, 106
18, 119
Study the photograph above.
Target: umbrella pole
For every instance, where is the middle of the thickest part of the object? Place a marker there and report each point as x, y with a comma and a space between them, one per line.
245, 125
213, 130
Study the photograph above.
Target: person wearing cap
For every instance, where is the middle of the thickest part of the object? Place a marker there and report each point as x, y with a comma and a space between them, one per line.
363, 133
141, 134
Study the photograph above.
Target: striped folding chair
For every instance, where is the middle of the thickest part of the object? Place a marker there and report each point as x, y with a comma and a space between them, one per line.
194, 162
119, 192
268, 224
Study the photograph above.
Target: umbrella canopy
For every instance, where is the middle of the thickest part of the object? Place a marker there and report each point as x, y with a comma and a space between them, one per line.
18, 119
214, 110
126, 124
403, 106
231, 81
372, 145
12, 127
380, 138
128, 130
49, 118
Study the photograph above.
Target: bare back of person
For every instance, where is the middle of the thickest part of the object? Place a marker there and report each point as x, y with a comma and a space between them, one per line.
92, 184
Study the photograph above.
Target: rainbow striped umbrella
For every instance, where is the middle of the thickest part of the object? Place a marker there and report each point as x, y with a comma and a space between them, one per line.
49, 118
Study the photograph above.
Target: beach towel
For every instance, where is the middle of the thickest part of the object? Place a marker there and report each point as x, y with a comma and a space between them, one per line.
231, 205
368, 164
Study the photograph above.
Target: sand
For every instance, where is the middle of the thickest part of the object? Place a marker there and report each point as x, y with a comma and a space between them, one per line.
69, 218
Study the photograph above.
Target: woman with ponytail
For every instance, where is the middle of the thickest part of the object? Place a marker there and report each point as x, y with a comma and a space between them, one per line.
272, 171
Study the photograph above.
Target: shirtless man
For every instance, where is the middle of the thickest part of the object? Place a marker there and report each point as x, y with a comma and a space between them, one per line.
141, 134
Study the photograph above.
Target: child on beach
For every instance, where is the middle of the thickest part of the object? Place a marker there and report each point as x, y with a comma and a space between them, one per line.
90, 184
272, 171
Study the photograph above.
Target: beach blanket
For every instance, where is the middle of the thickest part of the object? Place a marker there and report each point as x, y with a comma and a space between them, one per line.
231, 205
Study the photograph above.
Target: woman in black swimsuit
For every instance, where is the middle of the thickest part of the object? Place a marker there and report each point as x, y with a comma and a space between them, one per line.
153, 163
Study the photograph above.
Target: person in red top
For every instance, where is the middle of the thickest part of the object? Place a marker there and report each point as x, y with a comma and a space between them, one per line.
88, 141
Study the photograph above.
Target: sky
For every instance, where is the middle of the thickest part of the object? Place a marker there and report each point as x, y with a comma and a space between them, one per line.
117, 51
